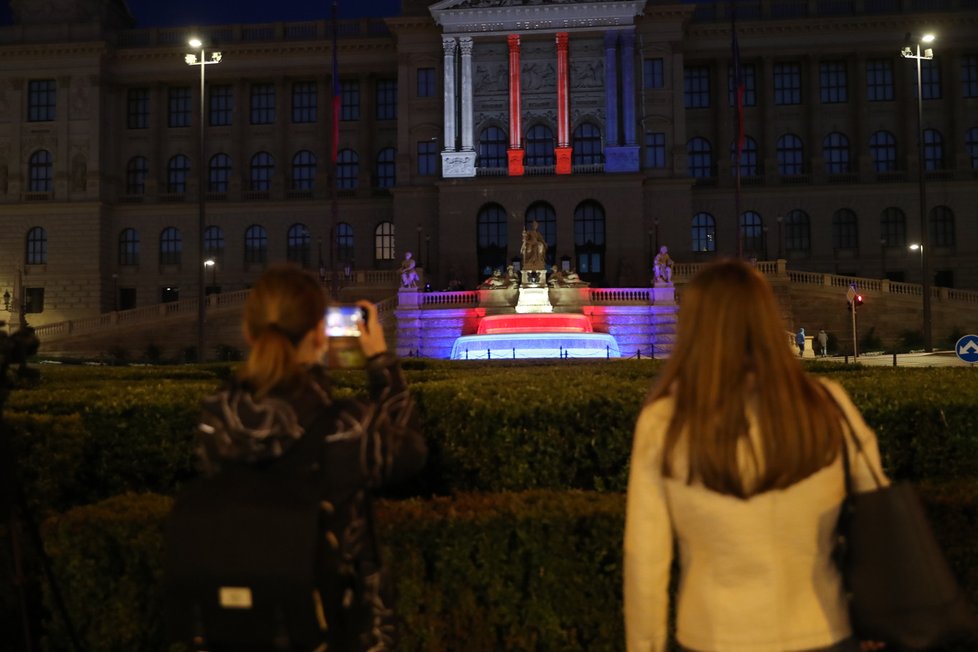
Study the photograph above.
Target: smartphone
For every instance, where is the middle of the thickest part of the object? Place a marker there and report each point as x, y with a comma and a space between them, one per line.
344, 321
344, 324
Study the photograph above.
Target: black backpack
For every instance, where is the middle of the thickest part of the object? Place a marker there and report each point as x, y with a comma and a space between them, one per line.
248, 565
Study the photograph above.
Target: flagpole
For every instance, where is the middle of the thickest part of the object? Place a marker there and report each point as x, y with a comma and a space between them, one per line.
739, 88
334, 147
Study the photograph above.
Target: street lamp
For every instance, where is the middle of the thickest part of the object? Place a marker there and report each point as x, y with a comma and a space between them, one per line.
202, 61
909, 52
211, 264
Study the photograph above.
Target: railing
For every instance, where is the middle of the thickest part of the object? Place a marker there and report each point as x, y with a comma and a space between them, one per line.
464, 298
620, 295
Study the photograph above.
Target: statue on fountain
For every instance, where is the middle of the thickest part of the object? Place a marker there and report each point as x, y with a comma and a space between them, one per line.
534, 249
409, 275
568, 279
662, 267
495, 282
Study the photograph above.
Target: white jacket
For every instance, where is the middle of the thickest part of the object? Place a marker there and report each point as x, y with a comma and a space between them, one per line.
757, 574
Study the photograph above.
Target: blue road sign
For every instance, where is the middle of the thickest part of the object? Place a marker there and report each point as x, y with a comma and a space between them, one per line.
967, 348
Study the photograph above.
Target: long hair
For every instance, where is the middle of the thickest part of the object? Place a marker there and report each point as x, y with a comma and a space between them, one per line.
282, 307
733, 356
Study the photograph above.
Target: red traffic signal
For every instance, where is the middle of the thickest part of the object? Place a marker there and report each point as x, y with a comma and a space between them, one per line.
858, 300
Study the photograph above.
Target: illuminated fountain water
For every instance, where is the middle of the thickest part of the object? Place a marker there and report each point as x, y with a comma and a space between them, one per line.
535, 335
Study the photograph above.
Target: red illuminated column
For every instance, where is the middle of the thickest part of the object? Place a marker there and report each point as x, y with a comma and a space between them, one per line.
563, 151
515, 153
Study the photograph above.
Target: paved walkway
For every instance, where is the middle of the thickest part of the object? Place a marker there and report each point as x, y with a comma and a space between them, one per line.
935, 359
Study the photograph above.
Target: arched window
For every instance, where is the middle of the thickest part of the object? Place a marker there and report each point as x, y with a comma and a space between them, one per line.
347, 169
589, 247
539, 146
171, 246
752, 234
137, 169
835, 152
704, 233
797, 232
491, 239
893, 227
699, 155
748, 158
791, 155
214, 243
40, 167
933, 150
255, 245
128, 248
176, 174
587, 145
546, 219
298, 245
262, 169
219, 173
493, 143
882, 147
344, 242
941, 227
845, 230
37, 246
303, 170
384, 241
386, 175
971, 144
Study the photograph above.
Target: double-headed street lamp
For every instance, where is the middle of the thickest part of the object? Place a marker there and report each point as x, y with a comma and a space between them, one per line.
202, 61
909, 52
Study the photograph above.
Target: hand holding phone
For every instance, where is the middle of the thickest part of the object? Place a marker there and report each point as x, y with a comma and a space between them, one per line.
354, 334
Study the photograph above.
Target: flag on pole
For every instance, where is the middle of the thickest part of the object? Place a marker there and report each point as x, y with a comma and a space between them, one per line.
738, 84
335, 135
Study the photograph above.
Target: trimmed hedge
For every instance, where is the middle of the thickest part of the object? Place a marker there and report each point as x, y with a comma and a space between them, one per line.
536, 571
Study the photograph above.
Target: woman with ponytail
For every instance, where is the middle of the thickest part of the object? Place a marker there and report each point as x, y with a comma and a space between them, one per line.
280, 396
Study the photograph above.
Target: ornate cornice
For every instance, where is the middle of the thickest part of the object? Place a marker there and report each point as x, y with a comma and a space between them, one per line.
474, 17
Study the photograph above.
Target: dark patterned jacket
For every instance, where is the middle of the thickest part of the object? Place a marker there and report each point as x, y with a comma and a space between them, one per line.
368, 444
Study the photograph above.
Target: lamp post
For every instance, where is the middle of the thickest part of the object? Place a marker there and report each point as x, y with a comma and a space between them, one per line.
916, 246
202, 61
211, 264
780, 237
915, 54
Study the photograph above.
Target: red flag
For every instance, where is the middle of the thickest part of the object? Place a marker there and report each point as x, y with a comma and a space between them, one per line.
335, 136
738, 83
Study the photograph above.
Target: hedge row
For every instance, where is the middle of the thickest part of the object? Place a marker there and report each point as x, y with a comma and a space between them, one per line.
490, 428
537, 571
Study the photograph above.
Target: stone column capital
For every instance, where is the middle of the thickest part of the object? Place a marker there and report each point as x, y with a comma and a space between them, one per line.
562, 41
513, 40
448, 44
465, 45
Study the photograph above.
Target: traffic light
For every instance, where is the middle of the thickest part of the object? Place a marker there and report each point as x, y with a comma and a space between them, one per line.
858, 300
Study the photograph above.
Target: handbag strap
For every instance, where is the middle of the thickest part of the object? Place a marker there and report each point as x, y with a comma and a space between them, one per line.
848, 432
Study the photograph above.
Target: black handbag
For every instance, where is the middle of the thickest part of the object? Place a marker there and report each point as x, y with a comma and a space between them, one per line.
898, 584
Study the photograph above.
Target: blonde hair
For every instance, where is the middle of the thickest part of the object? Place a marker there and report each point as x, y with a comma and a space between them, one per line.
282, 307
731, 353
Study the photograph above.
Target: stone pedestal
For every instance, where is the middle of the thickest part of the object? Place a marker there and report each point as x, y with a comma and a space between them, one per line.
515, 159
457, 164
663, 293
621, 158
534, 300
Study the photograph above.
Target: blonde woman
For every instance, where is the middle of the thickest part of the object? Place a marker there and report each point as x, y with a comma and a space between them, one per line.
736, 456
282, 396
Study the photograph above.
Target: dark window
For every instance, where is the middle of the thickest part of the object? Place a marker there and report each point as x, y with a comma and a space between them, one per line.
384, 241
845, 230
299, 245
386, 172
33, 300
933, 150
137, 108
344, 242
696, 87
493, 143
42, 95
349, 99
655, 149
127, 299
787, 83
262, 169
752, 235
589, 247
255, 245
835, 152
833, 82
704, 232
169, 294
303, 170
426, 82
879, 80
491, 239
262, 104
930, 79
176, 174
539, 145
41, 171
699, 153
969, 75
37, 246
427, 158
219, 173
748, 158
791, 155
386, 99
653, 73
178, 107
347, 169
137, 169
587, 145
971, 144
171, 246
893, 227
748, 76
128, 248
214, 243
221, 105
882, 147
941, 227
797, 232
304, 102
546, 218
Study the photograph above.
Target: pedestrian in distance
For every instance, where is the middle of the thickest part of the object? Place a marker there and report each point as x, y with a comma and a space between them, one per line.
823, 342
736, 457
800, 341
